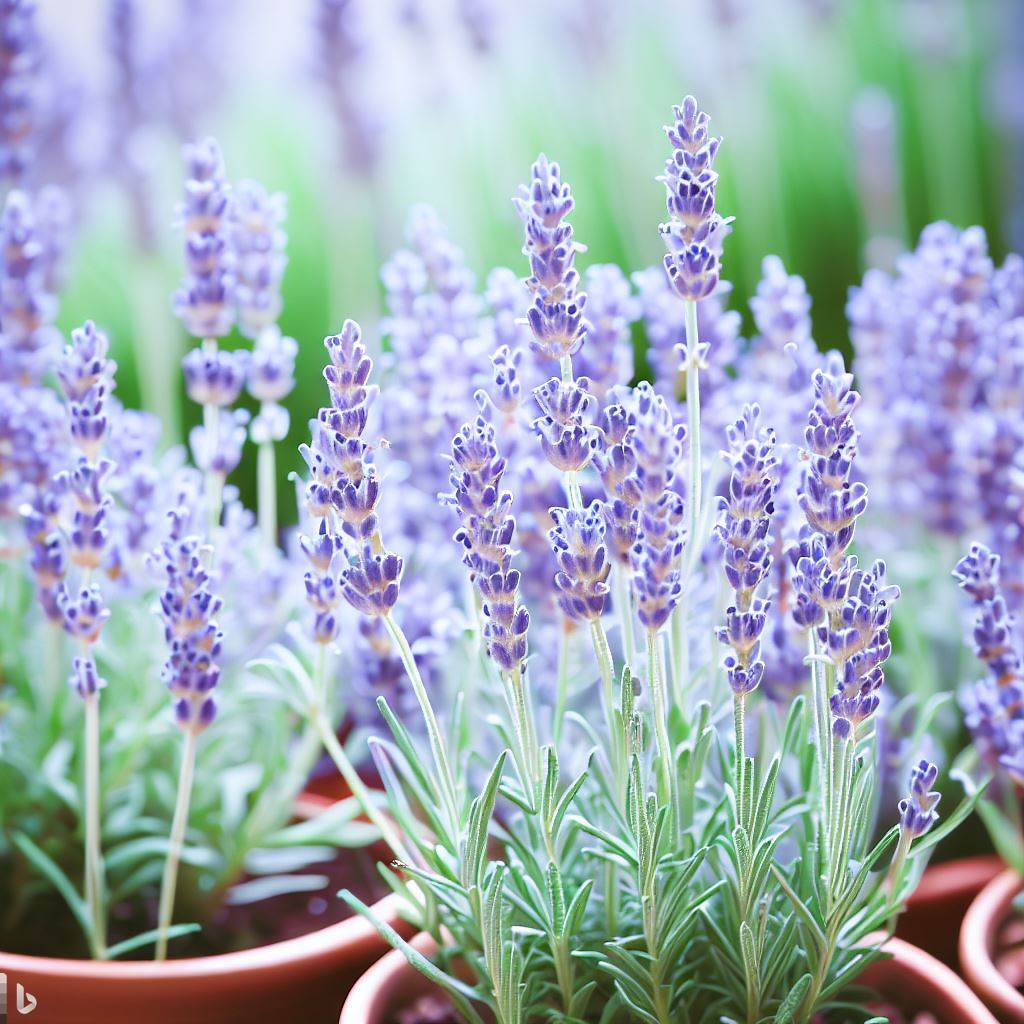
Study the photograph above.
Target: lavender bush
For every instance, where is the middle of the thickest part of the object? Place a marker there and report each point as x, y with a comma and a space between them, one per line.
648, 862
101, 529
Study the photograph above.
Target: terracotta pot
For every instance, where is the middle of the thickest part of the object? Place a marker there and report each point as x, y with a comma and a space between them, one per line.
304, 978
978, 939
912, 979
931, 920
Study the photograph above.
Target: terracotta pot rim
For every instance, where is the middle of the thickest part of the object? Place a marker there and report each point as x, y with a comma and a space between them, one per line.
351, 932
977, 944
952, 877
368, 995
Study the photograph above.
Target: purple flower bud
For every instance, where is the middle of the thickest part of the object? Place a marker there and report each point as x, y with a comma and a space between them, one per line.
214, 376
85, 680
917, 810
272, 366
82, 614
583, 566
371, 583
567, 441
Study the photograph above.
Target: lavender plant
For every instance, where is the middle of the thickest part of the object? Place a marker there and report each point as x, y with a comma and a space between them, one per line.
175, 811
676, 870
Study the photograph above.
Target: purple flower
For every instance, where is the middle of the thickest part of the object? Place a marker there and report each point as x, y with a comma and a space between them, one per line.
994, 706
694, 233
259, 240
271, 374
566, 439
187, 608
831, 502
20, 58
214, 376
205, 300
342, 52
578, 543
83, 614
858, 644
743, 534
485, 534
371, 583
556, 315
917, 809
28, 308
85, 678
220, 452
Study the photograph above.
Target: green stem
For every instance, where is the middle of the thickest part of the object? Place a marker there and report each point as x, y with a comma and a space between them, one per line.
434, 734
266, 489
562, 694
322, 724
178, 826
660, 711
624, 607
740, 767
94, 882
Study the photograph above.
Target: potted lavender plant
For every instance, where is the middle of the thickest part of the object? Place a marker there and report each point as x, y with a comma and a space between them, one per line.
183, 820
693, 851
992, 935
937, 347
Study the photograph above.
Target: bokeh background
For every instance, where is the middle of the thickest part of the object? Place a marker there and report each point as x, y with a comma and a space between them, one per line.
848, 124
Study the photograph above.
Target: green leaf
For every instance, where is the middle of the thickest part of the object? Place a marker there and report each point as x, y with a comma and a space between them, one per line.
273, 885
60, 881
145, 938
791, 1003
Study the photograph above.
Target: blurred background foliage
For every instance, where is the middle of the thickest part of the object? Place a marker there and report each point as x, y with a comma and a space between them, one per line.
848, 125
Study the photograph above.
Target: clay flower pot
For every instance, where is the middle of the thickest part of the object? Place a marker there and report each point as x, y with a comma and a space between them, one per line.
979, 949
304, 978
942, 898
912, 979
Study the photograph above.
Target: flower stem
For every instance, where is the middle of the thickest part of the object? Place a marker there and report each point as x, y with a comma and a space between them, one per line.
562, 694
660, 710
624, 607
266, 473
178, 826
211, 425
94, 882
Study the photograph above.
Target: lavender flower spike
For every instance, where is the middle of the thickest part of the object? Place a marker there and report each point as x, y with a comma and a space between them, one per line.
694, 232
259, 239
205, 302
556, 315
994, 706
917, 809
743, 534
187, 608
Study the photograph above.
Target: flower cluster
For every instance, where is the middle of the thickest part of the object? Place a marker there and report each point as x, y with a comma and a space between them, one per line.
695, 231
19, 63
994, 706
188, 607
848, 608
86, 379
917, 809
743, 533
657, 445
270, 379
258, 240
583, 566
28, 307
205, 302
556, 314
485, 535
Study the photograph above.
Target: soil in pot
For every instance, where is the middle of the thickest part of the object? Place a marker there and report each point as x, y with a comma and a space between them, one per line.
50, 930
